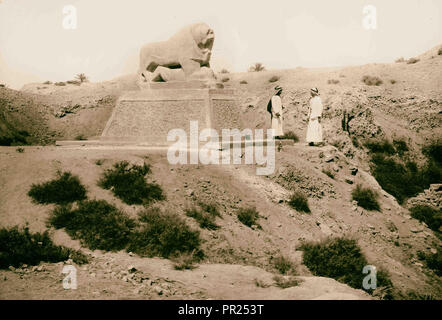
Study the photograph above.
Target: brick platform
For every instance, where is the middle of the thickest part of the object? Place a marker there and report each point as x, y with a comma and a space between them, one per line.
148, 115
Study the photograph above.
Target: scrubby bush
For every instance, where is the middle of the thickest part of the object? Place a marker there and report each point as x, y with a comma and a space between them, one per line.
248, 216
164, 234
273, 79
298, 201
205, 220
371, 81
96, 223
14, 138
439, 52
412, 60
60, 84
366, 198
75, 82
128, 183
19, 246
224, 71
283, 264
257, 67
433, 151
243, 82
286, 282
434, 262
404, 180
399, 176
340, 259
399, 60
400, 146
431, 216
210, 208
380, 146
66, 188
333, 81
225, 79
20, 150
47, 82
291, 136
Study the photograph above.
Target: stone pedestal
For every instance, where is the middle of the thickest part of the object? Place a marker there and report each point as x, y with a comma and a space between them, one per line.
148, 115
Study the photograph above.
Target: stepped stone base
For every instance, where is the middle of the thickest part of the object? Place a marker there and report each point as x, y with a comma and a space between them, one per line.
149, 115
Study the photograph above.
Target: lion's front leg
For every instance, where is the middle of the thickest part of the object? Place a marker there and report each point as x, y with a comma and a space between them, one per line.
189, 67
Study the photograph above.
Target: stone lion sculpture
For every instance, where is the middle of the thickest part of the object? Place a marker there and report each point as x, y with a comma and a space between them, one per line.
186, 55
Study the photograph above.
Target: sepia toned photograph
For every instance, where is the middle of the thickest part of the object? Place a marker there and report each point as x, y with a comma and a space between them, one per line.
210, 151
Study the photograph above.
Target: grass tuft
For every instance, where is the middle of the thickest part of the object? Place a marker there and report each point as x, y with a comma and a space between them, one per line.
284, 265
248, 216
205, 220
286, 282
185, 261
299, 202
366, 198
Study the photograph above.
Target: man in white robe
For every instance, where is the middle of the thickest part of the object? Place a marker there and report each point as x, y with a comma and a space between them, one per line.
275, 108
314, 129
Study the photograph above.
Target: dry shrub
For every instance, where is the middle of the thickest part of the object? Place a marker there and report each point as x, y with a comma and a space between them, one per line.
371, 81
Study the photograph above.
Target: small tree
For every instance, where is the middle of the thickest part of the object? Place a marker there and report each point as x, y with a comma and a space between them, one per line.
257, 67
82, 77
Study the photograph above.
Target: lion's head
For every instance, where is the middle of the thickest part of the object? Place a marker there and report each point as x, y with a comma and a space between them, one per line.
203, 36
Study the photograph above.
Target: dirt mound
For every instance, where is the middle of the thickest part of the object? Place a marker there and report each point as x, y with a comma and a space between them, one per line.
23, 119
44, 113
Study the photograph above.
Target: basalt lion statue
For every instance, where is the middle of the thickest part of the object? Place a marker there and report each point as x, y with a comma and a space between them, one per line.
186, 55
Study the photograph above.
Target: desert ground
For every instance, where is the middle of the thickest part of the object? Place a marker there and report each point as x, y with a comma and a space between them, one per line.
407, 105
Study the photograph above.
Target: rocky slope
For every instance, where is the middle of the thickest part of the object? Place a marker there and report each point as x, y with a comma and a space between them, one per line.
390, 238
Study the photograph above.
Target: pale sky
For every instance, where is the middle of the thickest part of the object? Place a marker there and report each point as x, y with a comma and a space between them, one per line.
282, 34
